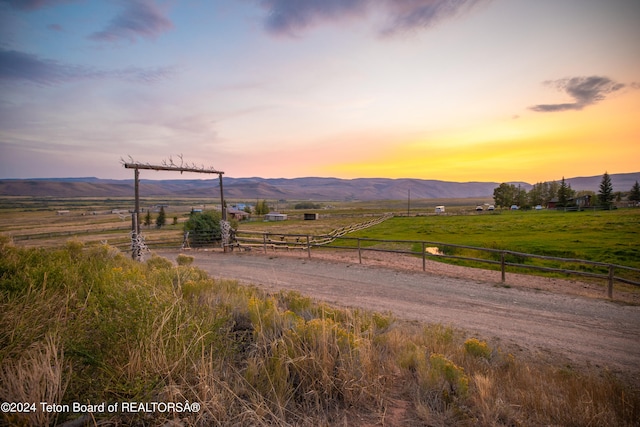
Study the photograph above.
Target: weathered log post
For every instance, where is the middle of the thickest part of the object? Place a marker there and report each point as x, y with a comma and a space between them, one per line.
611, 276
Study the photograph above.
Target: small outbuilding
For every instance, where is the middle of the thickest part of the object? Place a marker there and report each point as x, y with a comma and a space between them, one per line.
439, 209
237, 214
275, 216
311, 216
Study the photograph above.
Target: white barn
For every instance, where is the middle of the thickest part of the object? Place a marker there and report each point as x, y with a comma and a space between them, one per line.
275, 216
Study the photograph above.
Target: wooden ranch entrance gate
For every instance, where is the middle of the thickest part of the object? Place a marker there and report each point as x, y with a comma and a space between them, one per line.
137, 241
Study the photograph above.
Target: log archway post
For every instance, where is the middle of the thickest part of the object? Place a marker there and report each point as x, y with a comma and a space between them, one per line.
136, 188
136, 240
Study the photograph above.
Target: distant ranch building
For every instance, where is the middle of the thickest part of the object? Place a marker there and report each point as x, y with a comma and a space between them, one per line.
275, 216
237, 214
581, 202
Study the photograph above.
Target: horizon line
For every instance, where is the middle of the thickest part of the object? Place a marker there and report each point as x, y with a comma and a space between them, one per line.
81, 178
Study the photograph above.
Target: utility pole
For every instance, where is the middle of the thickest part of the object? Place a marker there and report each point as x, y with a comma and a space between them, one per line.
409, 202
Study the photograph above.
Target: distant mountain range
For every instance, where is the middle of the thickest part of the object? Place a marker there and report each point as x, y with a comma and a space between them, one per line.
282, 188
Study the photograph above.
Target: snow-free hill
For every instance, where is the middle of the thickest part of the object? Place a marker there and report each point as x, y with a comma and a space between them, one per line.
621, 182
253, 188
282, 188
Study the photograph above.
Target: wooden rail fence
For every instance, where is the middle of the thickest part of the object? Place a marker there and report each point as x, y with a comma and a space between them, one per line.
434, 250
268, 239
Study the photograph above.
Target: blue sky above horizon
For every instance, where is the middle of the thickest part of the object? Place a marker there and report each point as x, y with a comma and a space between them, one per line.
458, 90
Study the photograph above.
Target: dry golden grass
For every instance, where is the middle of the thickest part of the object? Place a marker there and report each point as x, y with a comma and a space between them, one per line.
39, 375
87, 324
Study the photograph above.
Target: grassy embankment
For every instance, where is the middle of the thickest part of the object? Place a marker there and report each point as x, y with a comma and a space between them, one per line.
85, 324
601, 236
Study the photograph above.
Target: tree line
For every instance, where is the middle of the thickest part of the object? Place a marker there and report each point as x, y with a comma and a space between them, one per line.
561, 194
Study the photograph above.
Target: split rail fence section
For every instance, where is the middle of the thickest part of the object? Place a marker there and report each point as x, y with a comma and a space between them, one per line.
504, 258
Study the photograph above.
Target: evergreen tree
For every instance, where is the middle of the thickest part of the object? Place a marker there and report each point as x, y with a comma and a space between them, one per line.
605, 195
203, 228
147, 218
162, 218
634, 194
564, 194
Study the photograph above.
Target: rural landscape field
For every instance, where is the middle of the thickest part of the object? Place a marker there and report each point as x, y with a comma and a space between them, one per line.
319, 213
84, 322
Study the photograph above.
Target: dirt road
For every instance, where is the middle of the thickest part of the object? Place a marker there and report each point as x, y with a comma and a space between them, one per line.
578, 329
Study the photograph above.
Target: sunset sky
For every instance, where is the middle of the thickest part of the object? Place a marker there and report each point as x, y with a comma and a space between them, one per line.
456, 90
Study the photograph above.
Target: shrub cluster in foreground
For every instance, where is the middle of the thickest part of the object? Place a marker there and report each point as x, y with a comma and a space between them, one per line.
86, 324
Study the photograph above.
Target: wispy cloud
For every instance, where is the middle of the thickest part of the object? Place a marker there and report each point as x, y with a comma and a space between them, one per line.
143, 75
292, 16
16, 65
20, 66
585, 91
33, 4
410, 15
140, 18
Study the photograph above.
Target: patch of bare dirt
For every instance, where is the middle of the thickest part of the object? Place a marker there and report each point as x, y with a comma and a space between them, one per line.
411, 263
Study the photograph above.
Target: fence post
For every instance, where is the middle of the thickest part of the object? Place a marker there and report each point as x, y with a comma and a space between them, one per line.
424, 257
359, 252
610, 287
264, 242
502, 266
308, 247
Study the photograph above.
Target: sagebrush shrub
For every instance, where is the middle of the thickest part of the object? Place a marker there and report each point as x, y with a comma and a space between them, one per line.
477, 348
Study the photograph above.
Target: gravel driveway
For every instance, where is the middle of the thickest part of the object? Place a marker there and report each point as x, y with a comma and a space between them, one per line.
567, 326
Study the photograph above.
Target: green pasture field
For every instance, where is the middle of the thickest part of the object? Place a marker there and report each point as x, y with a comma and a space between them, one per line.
603, 236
